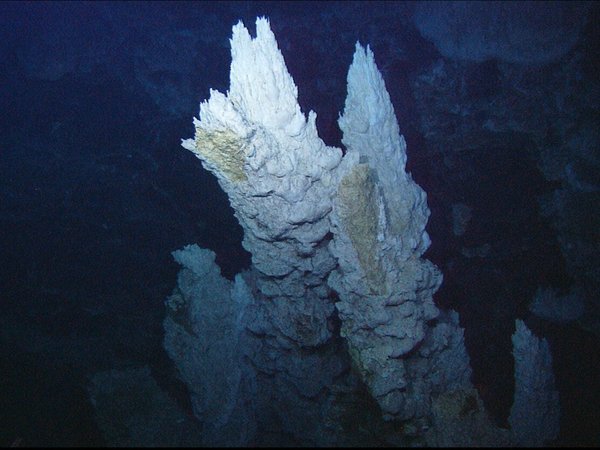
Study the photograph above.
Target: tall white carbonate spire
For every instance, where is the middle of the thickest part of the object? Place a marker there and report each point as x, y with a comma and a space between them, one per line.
325, 232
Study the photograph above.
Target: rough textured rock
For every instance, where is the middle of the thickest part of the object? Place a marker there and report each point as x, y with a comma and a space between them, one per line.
319, 225
204, 335
535, 414
459, 418
385, 287
280, 178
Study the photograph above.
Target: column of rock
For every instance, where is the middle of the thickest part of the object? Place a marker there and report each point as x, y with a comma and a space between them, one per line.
384, 284
280, 178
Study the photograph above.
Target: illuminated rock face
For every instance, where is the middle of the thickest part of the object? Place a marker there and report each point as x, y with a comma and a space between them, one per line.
280, 178
385, 286
326, 231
